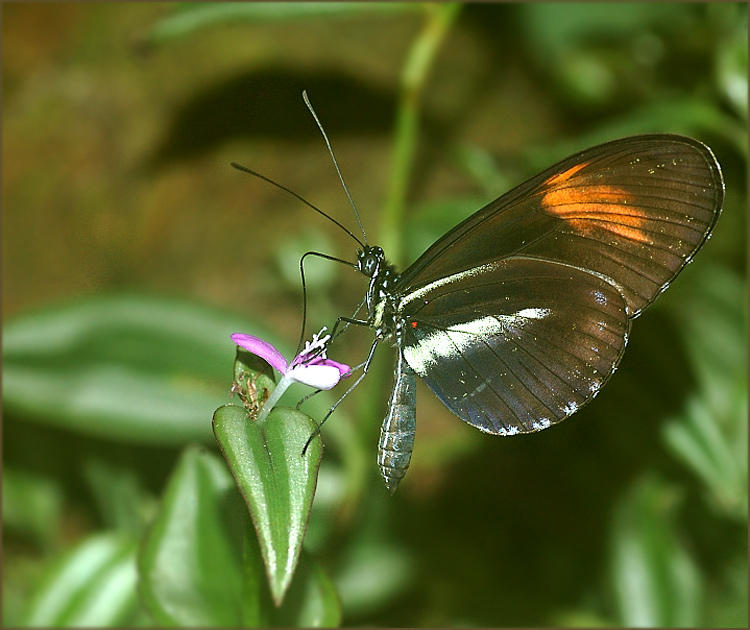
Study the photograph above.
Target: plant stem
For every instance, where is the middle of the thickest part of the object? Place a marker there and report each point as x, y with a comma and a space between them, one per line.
413, 79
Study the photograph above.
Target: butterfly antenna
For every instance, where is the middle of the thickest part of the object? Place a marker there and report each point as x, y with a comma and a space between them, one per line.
304, 289
249, 171
335, 163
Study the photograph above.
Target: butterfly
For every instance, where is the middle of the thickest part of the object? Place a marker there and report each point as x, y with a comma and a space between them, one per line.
518, 316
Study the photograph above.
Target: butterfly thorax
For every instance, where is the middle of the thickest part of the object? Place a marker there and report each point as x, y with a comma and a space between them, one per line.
381, 300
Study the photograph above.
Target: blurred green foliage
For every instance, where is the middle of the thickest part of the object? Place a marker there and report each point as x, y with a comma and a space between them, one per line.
130, 248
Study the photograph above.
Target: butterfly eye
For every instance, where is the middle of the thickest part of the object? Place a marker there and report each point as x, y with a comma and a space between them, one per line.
371, 264
369, 261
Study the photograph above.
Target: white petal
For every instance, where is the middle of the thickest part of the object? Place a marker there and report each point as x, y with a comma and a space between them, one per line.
317, 376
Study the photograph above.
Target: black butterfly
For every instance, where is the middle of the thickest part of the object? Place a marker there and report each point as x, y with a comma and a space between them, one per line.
517, 316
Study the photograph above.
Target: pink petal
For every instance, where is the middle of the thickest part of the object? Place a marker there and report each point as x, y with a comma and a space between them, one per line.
262, 349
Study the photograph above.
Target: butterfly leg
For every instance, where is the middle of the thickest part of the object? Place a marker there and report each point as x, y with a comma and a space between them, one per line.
365, 367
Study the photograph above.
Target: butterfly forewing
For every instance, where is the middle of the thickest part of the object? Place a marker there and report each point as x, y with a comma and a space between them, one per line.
517, 345
634, 211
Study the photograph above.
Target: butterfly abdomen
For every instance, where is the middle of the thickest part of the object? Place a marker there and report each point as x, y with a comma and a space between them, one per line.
397, 432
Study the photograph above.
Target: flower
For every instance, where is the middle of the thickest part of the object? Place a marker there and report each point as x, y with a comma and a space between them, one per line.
310, 367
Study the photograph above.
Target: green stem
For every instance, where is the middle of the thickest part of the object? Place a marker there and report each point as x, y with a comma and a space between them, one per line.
413, 79
275, 396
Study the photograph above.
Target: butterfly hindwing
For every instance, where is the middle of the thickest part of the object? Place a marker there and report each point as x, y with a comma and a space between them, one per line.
515, 345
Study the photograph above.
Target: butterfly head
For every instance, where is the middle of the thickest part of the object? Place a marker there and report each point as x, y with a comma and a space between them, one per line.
372, 263
370, 260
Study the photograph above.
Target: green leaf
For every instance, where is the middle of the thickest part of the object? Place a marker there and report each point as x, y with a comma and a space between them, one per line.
120, 494
312, 600
372, 574
193, 16
656, 583
32, 506
276, 480
732, 58
140, 369
710, 436
713, 323
191, 562
94, 585
711, 451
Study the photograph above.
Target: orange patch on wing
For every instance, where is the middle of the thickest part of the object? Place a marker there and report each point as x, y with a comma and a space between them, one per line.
563, 177
587, 208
